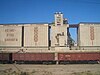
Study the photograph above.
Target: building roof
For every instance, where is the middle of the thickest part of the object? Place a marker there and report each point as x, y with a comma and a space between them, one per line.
89, 23
23, 23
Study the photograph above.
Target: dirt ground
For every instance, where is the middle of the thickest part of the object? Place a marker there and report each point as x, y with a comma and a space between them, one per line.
68, 69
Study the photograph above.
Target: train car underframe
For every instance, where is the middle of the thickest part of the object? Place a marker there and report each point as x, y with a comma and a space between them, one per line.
80, 62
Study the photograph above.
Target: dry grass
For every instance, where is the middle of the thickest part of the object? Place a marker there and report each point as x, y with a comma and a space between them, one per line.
49, 69
86, 73
11, 72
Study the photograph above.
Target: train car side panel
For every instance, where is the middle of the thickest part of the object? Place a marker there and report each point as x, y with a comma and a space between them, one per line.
4, 57
33, 57
78, 56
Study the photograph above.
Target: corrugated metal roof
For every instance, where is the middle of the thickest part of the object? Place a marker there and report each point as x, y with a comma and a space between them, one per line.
49, 23
89, 23
23, 23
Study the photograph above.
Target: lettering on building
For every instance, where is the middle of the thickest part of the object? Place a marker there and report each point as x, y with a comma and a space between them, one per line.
10, 35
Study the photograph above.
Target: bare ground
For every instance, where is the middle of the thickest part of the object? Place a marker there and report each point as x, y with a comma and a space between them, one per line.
69, 69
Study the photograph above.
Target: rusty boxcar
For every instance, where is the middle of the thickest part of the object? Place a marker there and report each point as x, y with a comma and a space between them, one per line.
5, 57
79, 57
33, 57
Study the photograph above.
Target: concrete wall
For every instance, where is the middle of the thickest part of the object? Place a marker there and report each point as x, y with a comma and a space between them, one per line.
10, 35
89, 35
58, 19
58, 35
36, 35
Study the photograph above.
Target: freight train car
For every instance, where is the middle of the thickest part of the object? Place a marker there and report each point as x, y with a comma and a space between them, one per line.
50, 58
5, 57
45, 58
79, 57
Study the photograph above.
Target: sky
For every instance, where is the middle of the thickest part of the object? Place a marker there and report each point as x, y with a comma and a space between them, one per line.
42, 11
